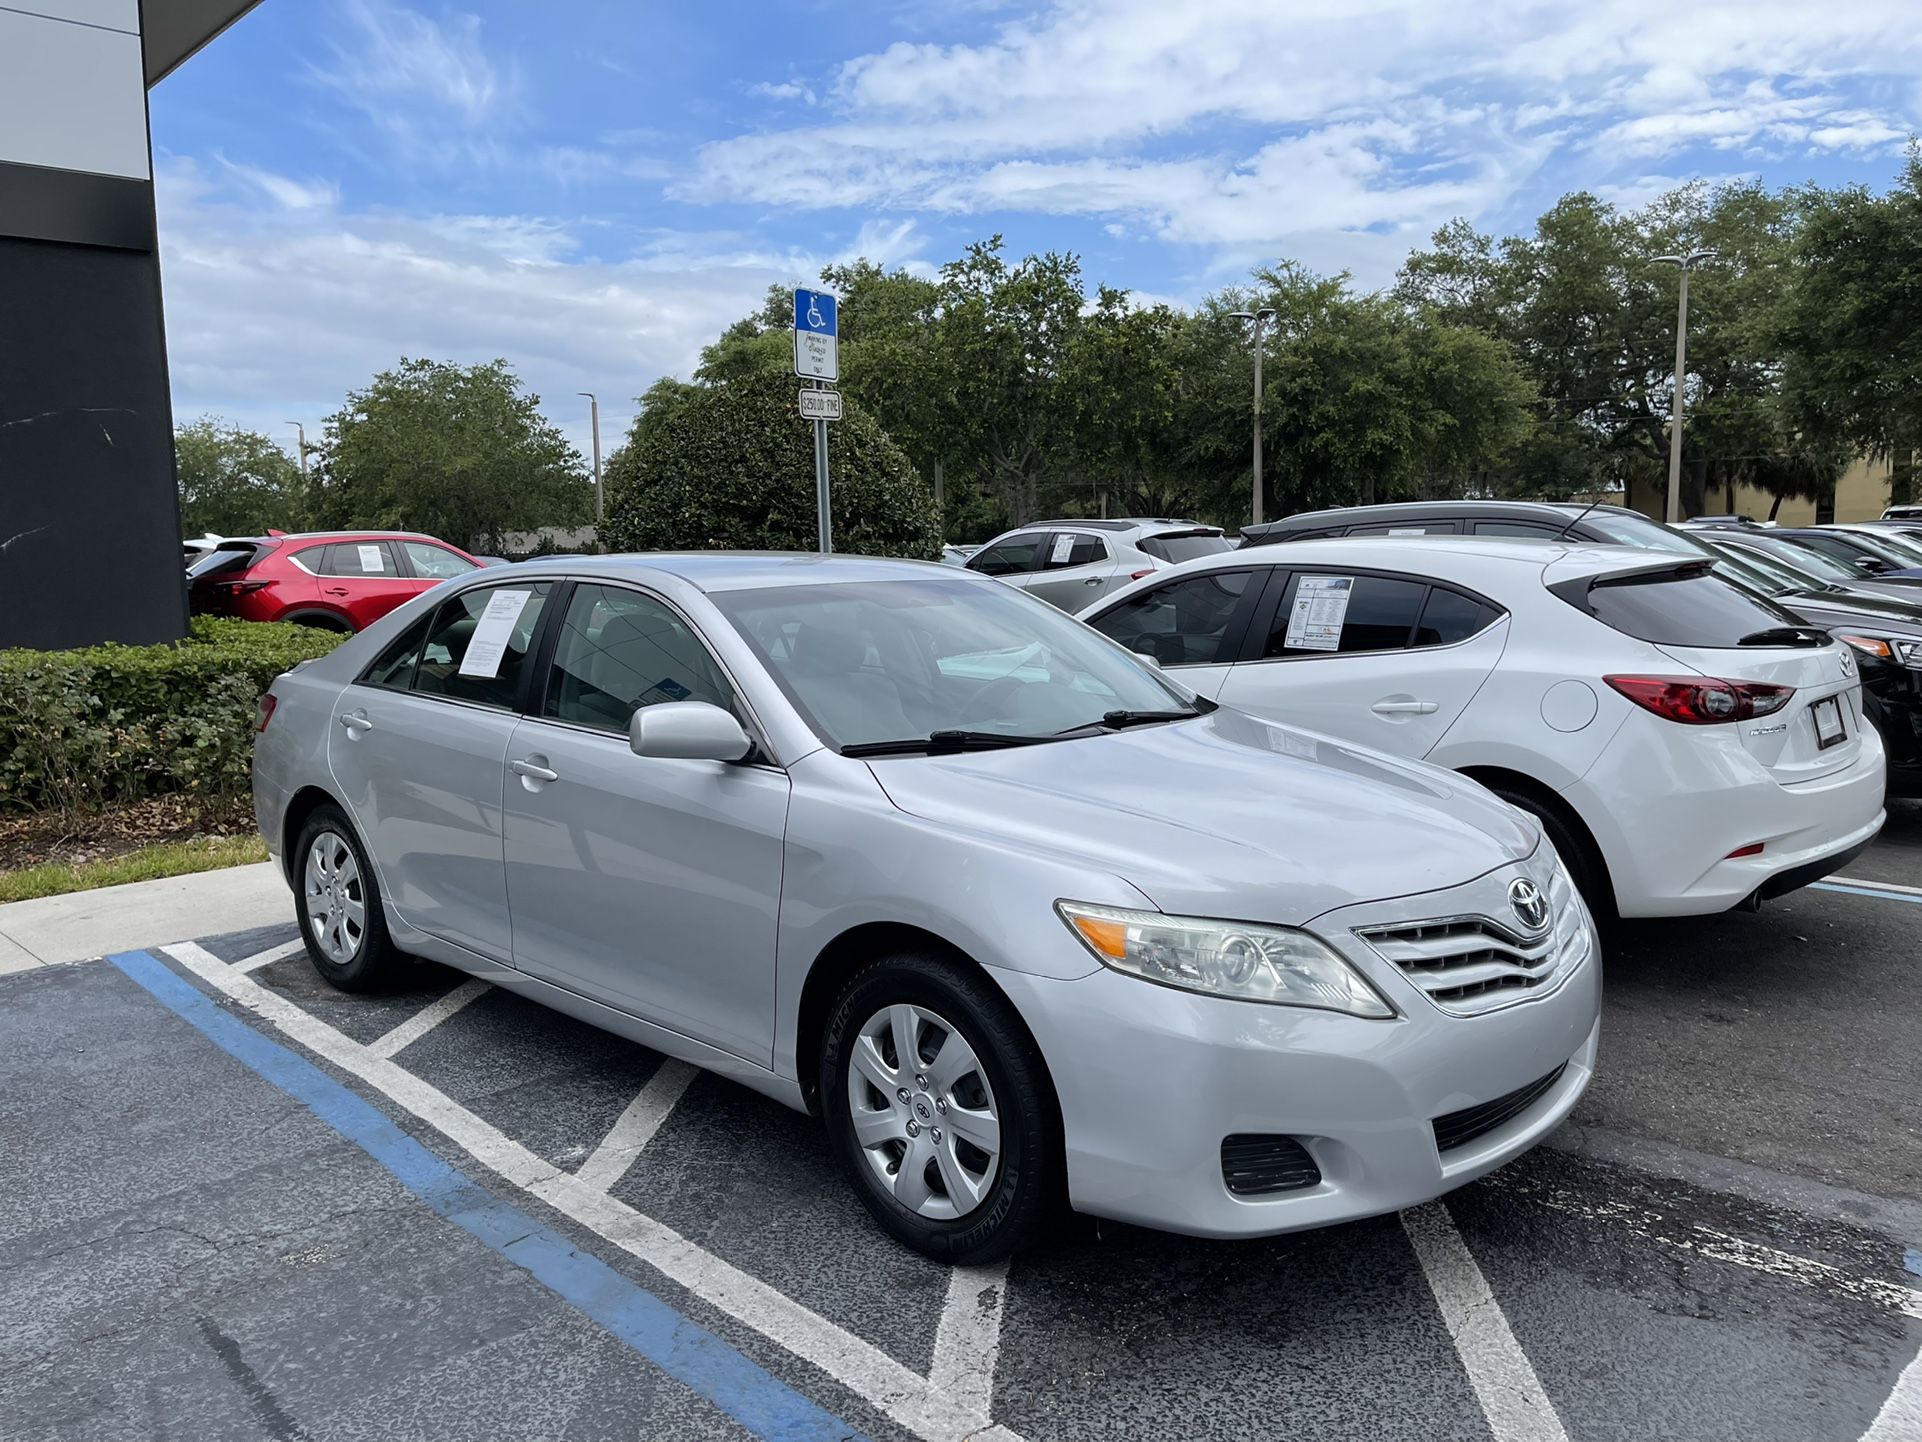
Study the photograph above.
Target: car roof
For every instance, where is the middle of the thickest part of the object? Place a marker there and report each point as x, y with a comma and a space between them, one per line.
1456, 555
346, 536
1110, 523
1435, 510
712, 571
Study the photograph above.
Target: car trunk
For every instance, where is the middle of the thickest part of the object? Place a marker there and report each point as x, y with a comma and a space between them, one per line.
213, 579
1790, 742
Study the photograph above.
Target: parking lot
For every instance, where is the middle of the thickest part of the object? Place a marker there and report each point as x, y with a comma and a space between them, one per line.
248, 1206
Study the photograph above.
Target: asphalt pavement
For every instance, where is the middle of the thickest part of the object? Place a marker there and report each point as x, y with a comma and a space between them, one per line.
242, 1205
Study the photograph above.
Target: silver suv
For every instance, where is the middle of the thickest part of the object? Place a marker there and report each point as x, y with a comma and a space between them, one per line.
1075, 563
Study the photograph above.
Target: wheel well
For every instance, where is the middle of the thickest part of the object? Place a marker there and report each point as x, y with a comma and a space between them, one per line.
319, 620
1498, 778
298, 810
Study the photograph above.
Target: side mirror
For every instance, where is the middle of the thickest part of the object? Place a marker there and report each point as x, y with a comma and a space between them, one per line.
687, 731
1874, 565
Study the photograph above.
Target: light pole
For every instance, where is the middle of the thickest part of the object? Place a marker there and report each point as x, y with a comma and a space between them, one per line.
303, 446
1686, 263
1260, 318
594, 412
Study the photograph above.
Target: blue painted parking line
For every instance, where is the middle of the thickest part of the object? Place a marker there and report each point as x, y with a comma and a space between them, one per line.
1876, 892
754, 1397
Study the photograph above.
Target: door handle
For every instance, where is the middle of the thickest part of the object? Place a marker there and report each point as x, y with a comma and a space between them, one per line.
336, 590
1405, 708
533, 771
356, 722
1092, 581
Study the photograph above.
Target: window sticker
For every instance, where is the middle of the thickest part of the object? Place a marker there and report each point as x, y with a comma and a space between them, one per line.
1063, 545
488, 645
1321, 606
370, 558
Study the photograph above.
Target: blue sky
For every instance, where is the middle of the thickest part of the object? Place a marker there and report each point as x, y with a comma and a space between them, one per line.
593, 189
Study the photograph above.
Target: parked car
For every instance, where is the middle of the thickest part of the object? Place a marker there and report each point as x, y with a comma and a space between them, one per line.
1074, 563
1885, 632
1837, 577
1902, 513
952, 555
1688, 746
890, 842
1870, 554
336, 580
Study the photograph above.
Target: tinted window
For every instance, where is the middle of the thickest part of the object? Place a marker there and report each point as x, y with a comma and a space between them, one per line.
1179, 548
1805, 558
435, 562
394, 667
1182, 623
1366, 613
1524, 530
1689, 606
352, 558
1405, 528
1449, 616
1068, 549
1014, 556
1842, 550
619, 651
225, 561
1638, 531
499, 645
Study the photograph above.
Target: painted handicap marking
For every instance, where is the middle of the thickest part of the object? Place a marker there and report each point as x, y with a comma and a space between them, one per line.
747, 1392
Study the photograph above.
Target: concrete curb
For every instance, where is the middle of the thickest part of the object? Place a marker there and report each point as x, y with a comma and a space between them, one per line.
51, 930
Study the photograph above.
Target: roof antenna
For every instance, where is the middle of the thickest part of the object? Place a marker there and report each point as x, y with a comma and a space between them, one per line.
1580, 516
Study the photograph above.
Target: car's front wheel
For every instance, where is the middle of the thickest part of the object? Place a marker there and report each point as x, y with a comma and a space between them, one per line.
939, 1105
340, 913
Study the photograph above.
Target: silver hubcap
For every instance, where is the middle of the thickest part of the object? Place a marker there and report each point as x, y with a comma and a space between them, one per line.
923, 1112
336, 904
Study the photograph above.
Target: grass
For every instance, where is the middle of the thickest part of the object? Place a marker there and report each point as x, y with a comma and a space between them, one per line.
168, 858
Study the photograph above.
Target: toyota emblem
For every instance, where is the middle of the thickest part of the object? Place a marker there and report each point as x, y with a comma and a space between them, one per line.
1848, 662
1531, 907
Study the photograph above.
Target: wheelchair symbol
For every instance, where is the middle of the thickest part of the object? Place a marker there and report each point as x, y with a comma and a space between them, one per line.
816, 321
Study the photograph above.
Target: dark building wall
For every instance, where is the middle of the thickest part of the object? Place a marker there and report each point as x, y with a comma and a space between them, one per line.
89, 519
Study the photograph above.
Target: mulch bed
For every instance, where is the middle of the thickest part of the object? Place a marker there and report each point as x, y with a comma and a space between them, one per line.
99, 836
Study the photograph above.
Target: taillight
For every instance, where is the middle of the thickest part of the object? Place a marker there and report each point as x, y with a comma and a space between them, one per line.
264, 712
1137, 575
241, 588
1701, 701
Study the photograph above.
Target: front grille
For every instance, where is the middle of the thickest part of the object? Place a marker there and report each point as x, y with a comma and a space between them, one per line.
1458, 1129
1254, 1164
1473, 964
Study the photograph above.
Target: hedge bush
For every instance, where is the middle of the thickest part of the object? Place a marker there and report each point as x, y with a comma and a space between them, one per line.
733, 468
80, 730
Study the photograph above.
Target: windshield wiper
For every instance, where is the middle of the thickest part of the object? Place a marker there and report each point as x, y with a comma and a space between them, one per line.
1784, 636
1117, 720
943, 743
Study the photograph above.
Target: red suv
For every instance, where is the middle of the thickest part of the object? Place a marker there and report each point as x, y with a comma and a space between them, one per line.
340, 580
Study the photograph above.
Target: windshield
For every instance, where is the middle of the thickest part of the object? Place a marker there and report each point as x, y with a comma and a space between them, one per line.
1640, 531
1783, 576
1899, 549
1180, 546
1805, 558
1750, 570
878, 661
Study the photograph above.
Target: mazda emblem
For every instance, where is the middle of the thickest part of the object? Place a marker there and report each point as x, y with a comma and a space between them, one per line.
1531, 907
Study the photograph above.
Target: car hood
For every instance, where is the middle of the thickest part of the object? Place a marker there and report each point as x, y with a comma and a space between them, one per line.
1225, 816
1899, 618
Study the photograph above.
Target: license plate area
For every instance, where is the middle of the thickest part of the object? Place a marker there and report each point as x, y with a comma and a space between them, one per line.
1829, 727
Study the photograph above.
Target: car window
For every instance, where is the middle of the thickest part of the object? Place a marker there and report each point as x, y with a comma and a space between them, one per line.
1841, 549
620, 650
225, 560
1687, 605
1405, 528
1182, 623
1014, 556
1627, 529
435, 563
1449, 616
1323, 613
1179, 546
1068, 549
1896, 549
357, 558
1525, 530
314, 558
393, 668
1805, 558
477, 646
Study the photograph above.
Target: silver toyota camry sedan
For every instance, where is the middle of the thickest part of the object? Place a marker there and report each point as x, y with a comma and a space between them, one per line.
1019, 916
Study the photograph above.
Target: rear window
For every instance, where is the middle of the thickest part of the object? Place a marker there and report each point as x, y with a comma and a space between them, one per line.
226, 560
1180, 546
1687, 606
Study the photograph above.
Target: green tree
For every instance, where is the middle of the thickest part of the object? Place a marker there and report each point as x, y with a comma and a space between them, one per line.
234, 482
733, 468
460, 452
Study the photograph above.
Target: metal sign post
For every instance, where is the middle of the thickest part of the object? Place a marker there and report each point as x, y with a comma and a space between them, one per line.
817, 358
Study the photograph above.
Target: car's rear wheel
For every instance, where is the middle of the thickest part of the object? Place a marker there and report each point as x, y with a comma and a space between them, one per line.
1578, 852
939, 1105
340, 912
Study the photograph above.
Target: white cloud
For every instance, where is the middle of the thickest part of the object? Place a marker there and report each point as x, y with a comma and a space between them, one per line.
394, 56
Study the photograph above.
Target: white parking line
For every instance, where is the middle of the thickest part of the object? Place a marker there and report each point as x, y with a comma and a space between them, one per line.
967, 1343
907, 1398
1900, 1419
1883, 885
636, 1126
1512, 1399
271, 955
427, 1018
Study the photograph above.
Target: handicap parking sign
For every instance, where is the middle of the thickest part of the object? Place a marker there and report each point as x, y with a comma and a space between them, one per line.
816, 335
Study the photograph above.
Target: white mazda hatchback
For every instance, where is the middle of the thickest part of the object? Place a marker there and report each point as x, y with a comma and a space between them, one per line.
1689, 746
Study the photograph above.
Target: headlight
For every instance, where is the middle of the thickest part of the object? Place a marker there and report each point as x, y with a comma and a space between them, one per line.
1886, 648
1224, 958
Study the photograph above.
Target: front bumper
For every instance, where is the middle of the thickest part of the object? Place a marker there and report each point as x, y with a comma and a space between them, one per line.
1152, 1079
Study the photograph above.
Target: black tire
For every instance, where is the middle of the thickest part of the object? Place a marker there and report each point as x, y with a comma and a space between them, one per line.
371, 960
1021, 1192
1578, 853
